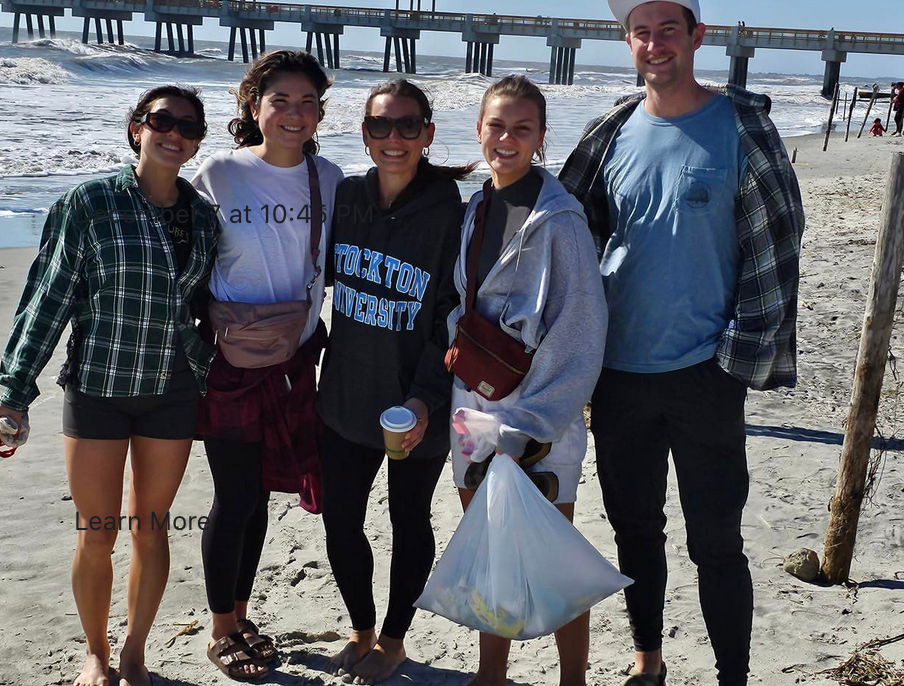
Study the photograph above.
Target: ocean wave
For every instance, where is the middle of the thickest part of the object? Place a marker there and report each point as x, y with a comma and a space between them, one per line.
28, 212
24, 71
64, 163
101, 59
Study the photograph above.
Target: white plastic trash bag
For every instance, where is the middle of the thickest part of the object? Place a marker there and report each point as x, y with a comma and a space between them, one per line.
516, 567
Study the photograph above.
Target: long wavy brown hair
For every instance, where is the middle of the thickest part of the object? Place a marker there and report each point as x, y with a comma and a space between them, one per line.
263, 71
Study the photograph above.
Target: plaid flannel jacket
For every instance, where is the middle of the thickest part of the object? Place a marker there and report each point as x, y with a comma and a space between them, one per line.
759, 345
107, 264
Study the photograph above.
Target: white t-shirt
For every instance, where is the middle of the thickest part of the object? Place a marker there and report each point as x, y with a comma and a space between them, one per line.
263, 252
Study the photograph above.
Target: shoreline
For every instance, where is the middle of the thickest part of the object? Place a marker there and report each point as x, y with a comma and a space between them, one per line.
23, 229
794, 438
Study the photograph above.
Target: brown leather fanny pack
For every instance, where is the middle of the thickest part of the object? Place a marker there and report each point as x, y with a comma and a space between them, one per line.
483, 356
260, 335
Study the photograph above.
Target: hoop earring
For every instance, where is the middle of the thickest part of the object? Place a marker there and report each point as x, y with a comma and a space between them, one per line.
427, 151
367, 151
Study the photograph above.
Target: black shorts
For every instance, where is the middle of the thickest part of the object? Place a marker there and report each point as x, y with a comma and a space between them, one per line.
171, 416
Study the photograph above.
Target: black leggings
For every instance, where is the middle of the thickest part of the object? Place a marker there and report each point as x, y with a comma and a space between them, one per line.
233, 539
349, 471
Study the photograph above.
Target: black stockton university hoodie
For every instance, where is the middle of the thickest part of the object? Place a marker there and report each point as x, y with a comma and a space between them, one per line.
392, 292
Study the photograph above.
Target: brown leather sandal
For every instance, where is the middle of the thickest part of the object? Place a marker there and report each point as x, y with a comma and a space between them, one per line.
261, 645
636, 678
230, 655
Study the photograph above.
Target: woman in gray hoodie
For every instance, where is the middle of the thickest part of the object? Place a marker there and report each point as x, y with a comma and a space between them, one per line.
538, 281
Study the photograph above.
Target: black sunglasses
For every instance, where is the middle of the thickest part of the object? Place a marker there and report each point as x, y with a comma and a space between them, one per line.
408, 127
161, 122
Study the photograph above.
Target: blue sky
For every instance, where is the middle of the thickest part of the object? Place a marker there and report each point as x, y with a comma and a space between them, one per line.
871, 15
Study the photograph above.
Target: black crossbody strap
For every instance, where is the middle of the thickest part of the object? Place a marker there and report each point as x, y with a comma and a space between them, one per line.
474, 246
316, 218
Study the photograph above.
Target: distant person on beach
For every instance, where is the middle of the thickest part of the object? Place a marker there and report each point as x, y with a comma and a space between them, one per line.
121, 260
394, 244
698, 220
877, 129
274, 196
527, 268
898, 106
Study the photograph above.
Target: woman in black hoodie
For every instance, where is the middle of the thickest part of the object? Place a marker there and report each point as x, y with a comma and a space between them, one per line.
396, 235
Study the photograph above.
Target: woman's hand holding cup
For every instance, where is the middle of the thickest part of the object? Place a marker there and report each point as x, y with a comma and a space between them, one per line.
416, 435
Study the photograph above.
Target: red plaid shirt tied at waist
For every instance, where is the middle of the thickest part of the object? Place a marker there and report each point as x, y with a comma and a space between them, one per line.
274, 406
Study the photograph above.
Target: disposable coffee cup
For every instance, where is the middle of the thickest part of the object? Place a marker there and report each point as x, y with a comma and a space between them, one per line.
396, 422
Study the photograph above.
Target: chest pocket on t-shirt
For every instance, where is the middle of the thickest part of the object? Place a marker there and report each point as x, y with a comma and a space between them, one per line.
699, 190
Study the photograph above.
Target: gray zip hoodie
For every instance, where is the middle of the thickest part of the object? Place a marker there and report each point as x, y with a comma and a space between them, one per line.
545, 291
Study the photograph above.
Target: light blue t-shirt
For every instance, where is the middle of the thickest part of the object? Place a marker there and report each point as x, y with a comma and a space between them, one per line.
672, 264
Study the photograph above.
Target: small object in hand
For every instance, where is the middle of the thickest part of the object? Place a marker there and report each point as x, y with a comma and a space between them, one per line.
396, 422
804, 564
12, 435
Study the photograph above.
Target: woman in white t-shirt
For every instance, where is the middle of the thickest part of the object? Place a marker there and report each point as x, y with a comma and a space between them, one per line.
274, 198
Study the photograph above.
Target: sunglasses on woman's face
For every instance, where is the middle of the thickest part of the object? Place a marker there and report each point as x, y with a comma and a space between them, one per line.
408, 127
161, 122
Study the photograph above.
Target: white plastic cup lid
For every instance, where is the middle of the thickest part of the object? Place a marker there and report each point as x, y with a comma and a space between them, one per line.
398, 419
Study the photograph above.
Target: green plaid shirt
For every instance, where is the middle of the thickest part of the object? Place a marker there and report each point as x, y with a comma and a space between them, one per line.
107, 265
759, 345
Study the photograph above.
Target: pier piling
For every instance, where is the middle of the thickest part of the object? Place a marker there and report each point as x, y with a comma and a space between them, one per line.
563, 53
833, 59
16, 20
740, 64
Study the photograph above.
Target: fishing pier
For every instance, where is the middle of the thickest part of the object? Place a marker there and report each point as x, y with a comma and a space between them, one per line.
248, 22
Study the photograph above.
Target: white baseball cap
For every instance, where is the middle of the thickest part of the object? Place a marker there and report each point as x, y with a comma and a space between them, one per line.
622, 8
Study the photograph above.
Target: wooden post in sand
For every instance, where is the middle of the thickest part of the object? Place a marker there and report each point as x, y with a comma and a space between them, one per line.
869, 108
825, 145
871, 362
847, 132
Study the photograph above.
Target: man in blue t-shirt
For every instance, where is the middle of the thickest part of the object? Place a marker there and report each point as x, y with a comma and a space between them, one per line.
698, 221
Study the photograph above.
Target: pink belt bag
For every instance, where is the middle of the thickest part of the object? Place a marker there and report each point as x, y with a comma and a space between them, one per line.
260, 335
252, 336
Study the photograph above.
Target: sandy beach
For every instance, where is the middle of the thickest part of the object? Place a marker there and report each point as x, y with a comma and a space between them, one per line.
793, 447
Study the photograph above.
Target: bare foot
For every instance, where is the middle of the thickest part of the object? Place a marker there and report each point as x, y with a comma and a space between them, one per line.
382, 662
360, 643
94, 673
134, 675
